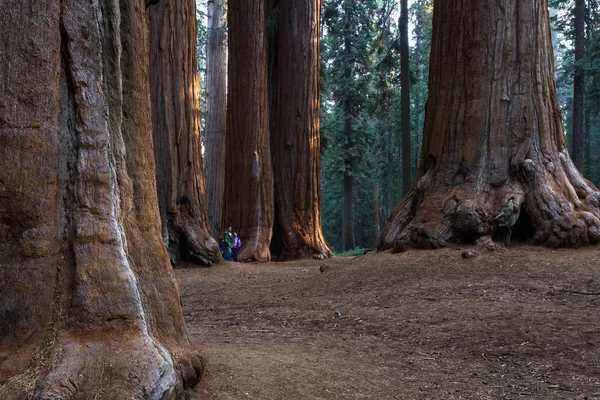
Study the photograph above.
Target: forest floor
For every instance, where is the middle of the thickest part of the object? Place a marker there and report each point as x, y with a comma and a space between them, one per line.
518, 323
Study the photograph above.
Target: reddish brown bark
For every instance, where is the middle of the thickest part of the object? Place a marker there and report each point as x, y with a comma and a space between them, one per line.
88, 297
176, 131
295, 137
248, 197
494, 151
216, 104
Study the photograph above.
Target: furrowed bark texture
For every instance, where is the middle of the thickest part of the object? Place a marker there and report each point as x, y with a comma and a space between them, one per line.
248, 203
494, 151
89, 306
216, 105
295, 136
176, 131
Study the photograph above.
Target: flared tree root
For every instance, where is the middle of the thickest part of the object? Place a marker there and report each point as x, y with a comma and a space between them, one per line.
546, 203
107, 365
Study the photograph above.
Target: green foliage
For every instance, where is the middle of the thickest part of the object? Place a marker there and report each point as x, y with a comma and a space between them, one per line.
563, 15
358, 251
368, 78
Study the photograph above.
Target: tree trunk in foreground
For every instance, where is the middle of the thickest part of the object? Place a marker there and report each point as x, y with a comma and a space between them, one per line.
295, 137
216, 105
494, 153
248, 199
89, 307
176, 130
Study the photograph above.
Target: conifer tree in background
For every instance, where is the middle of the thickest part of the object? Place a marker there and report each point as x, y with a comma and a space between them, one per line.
567, 24
350, 30
377, 172
421, 12
405, 98
174, 88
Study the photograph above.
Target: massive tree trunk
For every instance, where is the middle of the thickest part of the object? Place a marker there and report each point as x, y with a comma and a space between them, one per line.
494, 152
295, 136
248, 199
405, 98
89, 307
176, 130
216, 105
578, 84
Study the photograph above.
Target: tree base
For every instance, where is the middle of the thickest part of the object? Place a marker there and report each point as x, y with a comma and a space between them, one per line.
548, 203
190, 240
111, 365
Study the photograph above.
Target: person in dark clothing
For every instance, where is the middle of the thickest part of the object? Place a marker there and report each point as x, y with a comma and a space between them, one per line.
228, 235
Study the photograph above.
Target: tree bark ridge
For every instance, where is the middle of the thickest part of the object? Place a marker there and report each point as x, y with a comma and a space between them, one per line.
175, 87
295, 136
248, 203
88, 296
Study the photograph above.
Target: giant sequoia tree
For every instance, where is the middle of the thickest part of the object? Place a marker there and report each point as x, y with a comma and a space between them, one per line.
176, 130
216, 104
248, 198
295, 137
494, 151
284, 126
89, 307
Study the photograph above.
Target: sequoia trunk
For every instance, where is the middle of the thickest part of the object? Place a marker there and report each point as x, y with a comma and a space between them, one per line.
176, 130
248, 200
494, 156
88, 297
216, 104
295, 136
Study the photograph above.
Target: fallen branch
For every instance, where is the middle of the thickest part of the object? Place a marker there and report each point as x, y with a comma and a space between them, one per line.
579, 292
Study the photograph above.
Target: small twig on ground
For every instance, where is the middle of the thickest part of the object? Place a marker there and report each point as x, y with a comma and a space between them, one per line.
579, 292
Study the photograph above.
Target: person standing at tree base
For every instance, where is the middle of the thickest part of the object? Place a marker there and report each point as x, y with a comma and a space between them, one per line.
237, 243
228, 235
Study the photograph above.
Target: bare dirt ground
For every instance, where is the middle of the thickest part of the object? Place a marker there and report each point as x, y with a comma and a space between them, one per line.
519, 323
